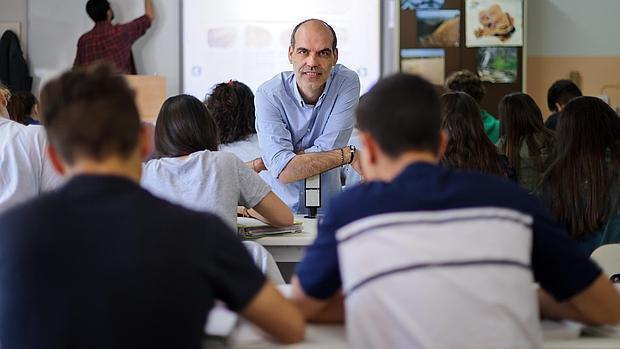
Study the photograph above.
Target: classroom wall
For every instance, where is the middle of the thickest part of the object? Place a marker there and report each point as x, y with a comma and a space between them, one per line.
562, 36
53, 38
16, 11
565, 36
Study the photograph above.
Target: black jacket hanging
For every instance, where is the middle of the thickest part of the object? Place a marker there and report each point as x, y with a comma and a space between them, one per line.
13, 67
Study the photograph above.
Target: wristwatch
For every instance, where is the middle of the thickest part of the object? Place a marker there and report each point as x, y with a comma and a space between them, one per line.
353, 149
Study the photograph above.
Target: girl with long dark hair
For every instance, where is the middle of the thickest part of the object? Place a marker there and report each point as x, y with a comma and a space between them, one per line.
581, 185
468, 147
524, 140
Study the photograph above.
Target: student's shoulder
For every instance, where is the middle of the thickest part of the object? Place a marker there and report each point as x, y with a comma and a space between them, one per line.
359, 201
42, 209
491, 190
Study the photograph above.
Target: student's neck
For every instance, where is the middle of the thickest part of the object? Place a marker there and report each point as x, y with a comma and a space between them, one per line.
113, 166
392, 167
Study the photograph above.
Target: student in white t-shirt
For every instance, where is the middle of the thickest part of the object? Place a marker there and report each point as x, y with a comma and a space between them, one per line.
26, 171
232, 106
191, 172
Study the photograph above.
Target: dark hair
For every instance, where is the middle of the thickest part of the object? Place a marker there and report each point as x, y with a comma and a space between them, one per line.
562, 91
334, 42
401, 112
20, 106
579, 182
469, 148
90, 112
97, 9
232, 106
468, 82
520, 120
184, 126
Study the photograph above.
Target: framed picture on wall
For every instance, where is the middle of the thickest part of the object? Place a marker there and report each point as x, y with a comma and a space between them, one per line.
493, 23
497, 64
438, 28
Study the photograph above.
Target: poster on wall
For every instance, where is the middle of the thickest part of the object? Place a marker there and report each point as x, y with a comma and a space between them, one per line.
497, 64
438, 28
420, 4
428, 63
493, 23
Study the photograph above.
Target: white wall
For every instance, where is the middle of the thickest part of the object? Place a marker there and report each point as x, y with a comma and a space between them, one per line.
55, 26
16, 11
573, 28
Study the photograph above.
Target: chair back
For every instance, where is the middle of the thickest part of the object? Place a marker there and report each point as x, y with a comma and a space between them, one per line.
608, 258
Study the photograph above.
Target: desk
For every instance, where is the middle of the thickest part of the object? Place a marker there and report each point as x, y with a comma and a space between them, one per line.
558, 335
290, 247
246, 336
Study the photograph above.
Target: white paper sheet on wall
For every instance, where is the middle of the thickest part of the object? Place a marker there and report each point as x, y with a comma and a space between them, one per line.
247, 40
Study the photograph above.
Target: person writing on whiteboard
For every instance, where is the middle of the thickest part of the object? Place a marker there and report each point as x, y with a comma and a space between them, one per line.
108, 42
304, 117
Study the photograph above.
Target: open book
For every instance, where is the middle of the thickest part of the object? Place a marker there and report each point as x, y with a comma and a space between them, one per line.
249, 228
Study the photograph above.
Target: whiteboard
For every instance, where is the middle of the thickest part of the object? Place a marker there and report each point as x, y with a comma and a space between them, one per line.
247, 40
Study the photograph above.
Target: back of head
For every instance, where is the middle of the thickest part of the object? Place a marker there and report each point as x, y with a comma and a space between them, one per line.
184, 126
520, 119
561, 92
91, 113
97, 9
401, 113
468, 146
20, 106
589, 126
468, 82
232, 106
580, 180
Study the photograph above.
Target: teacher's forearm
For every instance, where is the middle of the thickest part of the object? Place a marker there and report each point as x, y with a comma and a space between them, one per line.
307, 165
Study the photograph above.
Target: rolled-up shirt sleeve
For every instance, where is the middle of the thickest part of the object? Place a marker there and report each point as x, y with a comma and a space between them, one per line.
341, 120
274, 138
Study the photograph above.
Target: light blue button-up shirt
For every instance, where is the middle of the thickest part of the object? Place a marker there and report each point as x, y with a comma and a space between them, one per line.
286, 124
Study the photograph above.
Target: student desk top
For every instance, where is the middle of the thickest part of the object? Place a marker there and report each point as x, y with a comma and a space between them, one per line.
246, 336
557, 335
290, 247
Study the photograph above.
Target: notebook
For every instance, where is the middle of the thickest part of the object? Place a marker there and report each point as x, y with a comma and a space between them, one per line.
251, 228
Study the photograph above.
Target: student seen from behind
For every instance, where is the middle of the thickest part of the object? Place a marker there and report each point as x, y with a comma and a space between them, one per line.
105, 264
429, 247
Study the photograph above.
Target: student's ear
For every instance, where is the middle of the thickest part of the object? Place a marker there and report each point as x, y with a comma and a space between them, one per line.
443, 143
335, 56
370, 147
54, 158
145, 141
558, 107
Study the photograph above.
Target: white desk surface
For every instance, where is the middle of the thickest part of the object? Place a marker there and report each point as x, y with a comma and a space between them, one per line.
290, 247
246, 336
304, 238
318, 336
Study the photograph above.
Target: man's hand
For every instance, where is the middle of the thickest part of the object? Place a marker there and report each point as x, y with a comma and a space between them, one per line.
357, 164
257, 165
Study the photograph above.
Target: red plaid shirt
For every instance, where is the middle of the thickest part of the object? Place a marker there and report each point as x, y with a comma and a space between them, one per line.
111, 43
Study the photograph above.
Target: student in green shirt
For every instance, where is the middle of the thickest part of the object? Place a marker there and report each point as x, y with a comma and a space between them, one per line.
468, 82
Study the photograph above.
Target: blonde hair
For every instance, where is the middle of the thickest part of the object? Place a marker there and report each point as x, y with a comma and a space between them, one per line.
6, 93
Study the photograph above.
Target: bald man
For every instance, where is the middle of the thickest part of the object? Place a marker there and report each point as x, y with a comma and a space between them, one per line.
304, 117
